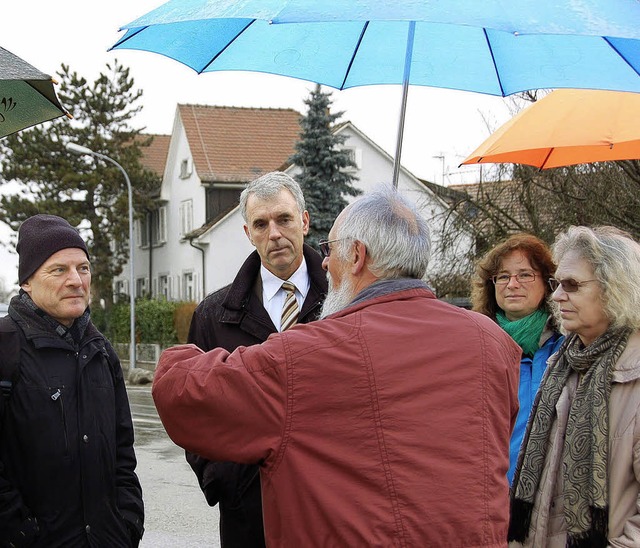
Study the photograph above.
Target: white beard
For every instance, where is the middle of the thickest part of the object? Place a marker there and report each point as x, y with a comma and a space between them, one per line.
337, 299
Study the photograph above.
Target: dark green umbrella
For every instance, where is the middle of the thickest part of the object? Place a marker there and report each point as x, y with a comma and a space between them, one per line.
27, 96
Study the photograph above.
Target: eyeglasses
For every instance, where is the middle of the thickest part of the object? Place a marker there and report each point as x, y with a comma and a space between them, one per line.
325, 250
569, 285
521, 278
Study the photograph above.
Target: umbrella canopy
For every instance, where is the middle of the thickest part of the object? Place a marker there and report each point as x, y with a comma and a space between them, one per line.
567, 127
588, 17
494, 47
27, 96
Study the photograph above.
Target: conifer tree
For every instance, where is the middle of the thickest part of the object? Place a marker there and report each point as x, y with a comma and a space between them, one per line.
319, 154
87, 192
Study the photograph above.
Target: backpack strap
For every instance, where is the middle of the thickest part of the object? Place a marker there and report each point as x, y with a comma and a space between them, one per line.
9, 359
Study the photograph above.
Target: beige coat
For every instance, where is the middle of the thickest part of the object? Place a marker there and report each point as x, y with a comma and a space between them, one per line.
548, 529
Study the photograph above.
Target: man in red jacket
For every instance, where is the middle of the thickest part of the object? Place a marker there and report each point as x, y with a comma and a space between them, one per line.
386, 423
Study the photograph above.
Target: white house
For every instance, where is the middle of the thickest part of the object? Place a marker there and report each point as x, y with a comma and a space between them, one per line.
194, 242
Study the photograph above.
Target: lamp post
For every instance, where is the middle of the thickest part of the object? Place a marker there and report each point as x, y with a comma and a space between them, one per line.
78, 149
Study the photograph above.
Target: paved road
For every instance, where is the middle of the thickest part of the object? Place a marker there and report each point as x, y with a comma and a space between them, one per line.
177, 516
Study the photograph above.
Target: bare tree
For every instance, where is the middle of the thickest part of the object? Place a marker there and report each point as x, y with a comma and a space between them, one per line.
545, 203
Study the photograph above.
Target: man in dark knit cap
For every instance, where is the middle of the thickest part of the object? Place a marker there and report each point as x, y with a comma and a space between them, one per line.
67, 463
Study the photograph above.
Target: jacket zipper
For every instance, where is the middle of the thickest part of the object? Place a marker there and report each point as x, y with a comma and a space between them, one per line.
57, 397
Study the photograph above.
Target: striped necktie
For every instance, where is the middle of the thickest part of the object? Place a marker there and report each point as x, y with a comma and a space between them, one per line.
290, 309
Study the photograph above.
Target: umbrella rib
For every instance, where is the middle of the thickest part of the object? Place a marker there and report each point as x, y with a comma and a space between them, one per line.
484, 30
355, 52
126, 38
546, 158
621, 56
226, 47
52, 101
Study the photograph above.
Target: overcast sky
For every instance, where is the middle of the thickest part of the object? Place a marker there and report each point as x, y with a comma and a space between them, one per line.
440, 123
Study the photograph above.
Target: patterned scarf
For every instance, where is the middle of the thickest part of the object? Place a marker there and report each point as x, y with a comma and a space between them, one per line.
525, 331
586, 445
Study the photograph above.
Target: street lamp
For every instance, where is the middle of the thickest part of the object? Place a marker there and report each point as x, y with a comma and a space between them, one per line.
78, 149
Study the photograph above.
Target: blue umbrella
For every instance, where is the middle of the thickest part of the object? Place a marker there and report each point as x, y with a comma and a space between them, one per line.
493, 47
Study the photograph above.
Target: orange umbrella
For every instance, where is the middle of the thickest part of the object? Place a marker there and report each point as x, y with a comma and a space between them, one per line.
567, 127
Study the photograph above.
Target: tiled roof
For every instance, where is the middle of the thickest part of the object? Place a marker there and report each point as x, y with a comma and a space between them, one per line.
504, 198
506, 207
231, 144
154, 156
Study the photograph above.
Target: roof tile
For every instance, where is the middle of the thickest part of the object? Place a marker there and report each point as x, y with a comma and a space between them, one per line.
233, 144
154, 156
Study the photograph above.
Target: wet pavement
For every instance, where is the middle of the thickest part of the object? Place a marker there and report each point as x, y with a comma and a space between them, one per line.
176, 513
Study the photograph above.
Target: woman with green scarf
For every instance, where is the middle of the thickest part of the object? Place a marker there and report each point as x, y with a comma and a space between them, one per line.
510, 286
577, 482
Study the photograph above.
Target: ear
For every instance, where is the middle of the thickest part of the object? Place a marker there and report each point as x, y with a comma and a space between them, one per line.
26, 287
359, 259
246, 231
305, 222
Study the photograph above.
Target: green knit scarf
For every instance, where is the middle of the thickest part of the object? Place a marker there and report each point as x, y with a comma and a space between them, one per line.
525, 331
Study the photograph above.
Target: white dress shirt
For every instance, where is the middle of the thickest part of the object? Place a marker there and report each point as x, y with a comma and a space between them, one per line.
273, 295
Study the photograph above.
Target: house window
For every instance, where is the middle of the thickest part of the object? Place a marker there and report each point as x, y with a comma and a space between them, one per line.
163, 286
153, 228
162, 225
221, 200
188, 287
186, 217
120, 291
355, 155
141, 287
186, 168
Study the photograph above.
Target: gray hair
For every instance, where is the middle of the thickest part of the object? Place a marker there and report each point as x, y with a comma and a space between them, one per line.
615, 258
269, 185
395, 234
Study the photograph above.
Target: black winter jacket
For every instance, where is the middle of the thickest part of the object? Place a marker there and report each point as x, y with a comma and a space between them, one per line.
66, 441
234, 316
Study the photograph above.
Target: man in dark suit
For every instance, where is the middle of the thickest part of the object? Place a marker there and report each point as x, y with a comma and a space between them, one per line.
246, 312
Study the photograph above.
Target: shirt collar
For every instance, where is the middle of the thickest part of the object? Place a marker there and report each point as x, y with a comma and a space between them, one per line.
271, 283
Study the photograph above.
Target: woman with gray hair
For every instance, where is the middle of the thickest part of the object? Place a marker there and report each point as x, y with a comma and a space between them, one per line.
577, 483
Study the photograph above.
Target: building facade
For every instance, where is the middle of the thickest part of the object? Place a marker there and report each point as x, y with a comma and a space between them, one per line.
193, 242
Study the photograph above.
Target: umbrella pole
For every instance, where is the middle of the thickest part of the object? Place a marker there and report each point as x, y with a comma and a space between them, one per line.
403, 106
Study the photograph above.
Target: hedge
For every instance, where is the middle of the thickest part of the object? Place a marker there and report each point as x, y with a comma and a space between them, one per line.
157, 321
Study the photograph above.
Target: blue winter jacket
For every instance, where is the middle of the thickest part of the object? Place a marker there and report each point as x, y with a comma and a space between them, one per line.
531, 372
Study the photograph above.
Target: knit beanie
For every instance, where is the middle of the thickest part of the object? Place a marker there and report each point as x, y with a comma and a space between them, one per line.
41, 236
